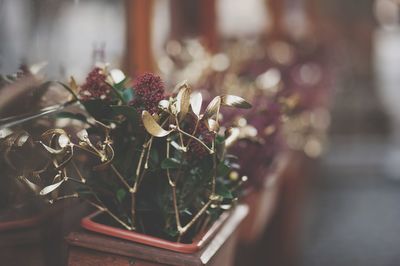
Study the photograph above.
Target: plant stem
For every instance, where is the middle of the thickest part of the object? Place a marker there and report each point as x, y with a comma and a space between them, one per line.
175, 202
134, 188
78, 172
214, 178
146, 164
195, 218
197, 139
102, 208
120, 177
179, 130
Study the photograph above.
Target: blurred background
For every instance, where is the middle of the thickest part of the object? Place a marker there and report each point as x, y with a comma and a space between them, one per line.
342, 206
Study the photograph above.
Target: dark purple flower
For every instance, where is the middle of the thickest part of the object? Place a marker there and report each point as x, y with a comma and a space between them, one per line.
95, 86
149, 91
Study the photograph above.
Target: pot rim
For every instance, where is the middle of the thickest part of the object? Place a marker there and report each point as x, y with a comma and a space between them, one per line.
198, 243
22, 223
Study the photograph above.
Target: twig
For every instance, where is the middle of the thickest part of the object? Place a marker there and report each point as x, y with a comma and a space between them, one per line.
120, 177
195, 138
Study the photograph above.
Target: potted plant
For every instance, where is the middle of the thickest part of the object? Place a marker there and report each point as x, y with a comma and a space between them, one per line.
158, 175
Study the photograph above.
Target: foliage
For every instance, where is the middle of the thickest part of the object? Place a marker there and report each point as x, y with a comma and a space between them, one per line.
154, 163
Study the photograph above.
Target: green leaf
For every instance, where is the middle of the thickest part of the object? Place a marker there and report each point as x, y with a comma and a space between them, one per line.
223, 191
170, 163
154, 157
223, 169
128, 95
219, 139
121, 194
99, 109
128, 111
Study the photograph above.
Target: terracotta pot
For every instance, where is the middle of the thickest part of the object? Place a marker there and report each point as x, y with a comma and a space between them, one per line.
121, 247
262, 203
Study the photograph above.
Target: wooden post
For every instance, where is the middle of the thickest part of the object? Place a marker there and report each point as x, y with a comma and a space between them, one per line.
208, 24
139, 56
276, 9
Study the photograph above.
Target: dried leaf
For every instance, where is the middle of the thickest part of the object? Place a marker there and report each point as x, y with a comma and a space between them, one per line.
196, 99
213, 108
183, 101
51, 188
234, 101
152, 127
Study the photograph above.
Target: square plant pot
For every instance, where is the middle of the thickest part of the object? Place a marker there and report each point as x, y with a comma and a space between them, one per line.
101, 245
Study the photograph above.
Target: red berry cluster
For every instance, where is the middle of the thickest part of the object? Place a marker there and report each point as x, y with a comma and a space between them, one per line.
149, 91
95, 86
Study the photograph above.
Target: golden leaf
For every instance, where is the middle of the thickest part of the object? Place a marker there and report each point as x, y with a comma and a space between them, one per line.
234, 101
53, 132
196, 99
183, 101
51, 150
152, 127
51, 188
73, 85
212, 125
180, 85
213, 108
